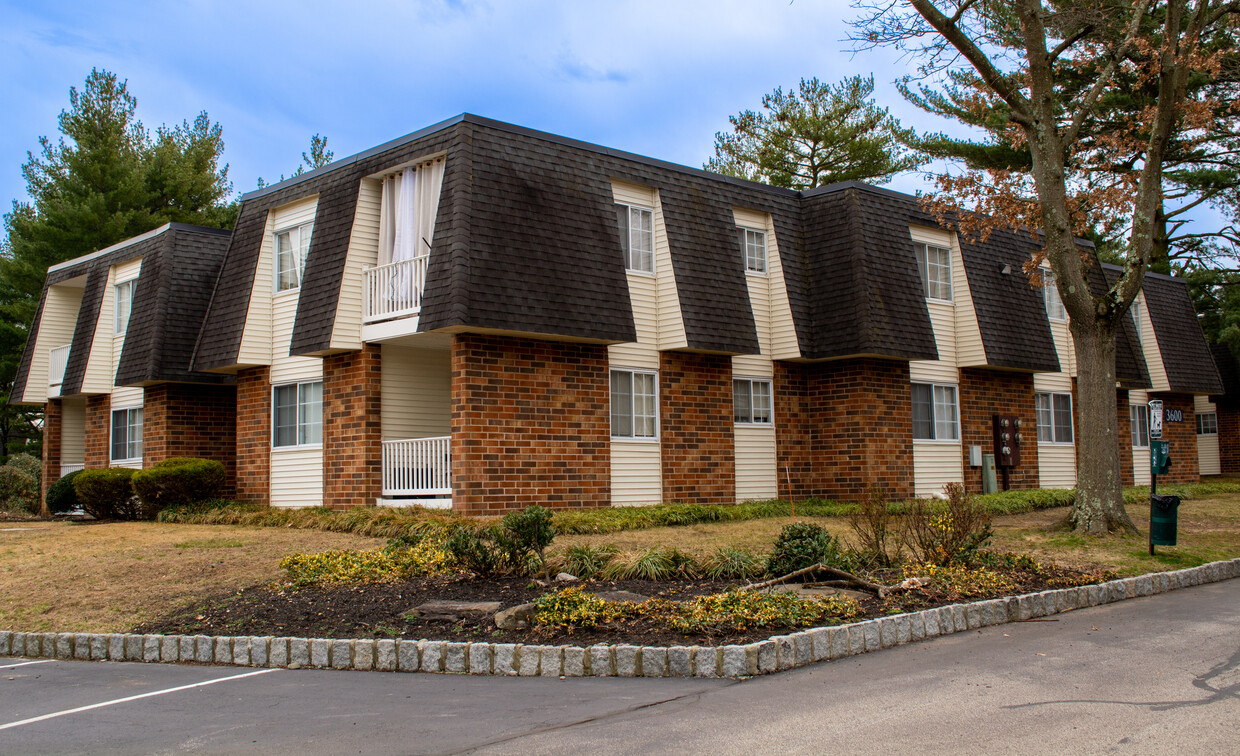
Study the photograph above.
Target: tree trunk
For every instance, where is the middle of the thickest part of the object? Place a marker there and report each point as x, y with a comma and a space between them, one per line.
1099, 503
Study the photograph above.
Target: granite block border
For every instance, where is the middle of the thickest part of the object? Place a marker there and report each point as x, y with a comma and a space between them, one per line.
764, 657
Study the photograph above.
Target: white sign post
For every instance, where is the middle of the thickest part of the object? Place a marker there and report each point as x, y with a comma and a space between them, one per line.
1156, 418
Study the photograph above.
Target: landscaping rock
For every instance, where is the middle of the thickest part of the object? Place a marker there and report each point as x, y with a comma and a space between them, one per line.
527, 665
454, 658
551, 661
99, 646
298, 652
574, 661
453, 611
517, 618
169, 648
480, 658
767, 657
385, 655
203, 650
627, 660
277, 654
680, 660
735, 661
600, 661
320, 650
223, 649
407, 658
564, 577
839, 642
705, 661
241, 651
432, 655
654, 661
505, 655
363, 654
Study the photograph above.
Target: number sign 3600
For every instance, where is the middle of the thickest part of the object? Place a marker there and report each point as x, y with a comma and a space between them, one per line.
1173, 416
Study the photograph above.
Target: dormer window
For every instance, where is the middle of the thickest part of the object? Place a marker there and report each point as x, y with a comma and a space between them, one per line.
1135, 309
291, 246
935, 265
753, 247
124, 306
636, 237
1050, 296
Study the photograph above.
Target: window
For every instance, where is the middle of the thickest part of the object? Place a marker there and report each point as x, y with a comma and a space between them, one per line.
634, 404
124, 305
1050, 295
297, 414
1135, 309
935, 265
1054, 413
126, 434
291, 247
1139, 421
751, 401
1207, 424
753, 247
637, 237
935, 417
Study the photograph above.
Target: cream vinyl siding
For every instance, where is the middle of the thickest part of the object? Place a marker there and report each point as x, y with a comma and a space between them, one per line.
363, 252
416, 393
1062, 337
1140, 457
636, 473
106, 346
1056, 462
56, 325
73, 431
127, 271
934, 466
1208, 462
755, 462
655, 300
263, 340
1149, 347
768, 295
297, 477
965, 341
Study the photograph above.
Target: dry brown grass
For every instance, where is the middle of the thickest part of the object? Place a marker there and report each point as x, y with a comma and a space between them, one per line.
109, 577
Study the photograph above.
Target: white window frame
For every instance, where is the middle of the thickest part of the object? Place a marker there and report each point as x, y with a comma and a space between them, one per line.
628, 243
935, 388
121, 324
924, 267
302, 421
753, 249
130, 445
1052, 397
1201, 416
1055, 311
300, 253
632, 436
1135, 412
749, 383
1135, 309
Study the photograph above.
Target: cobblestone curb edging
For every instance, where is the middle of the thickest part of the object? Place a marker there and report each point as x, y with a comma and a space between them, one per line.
759, 658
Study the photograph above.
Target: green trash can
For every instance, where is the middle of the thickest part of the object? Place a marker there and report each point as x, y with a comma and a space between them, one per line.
1164, 518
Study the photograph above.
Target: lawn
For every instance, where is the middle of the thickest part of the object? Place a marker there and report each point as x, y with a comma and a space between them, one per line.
108, 577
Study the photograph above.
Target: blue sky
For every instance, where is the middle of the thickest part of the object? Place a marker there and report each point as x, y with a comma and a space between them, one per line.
657, 78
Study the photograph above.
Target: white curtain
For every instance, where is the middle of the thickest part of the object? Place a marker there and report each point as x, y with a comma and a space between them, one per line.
406, 245
387, 219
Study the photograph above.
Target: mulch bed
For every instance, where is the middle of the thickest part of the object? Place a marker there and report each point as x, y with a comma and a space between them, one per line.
375, 610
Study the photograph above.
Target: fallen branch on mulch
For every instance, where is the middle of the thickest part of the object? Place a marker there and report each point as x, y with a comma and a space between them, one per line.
882, 591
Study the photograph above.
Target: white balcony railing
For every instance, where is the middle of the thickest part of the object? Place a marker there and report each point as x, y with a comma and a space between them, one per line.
58, 360
66, 468
393, 290
417, 467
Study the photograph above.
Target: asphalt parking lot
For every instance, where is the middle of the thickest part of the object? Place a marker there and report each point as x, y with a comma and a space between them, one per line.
1159, 674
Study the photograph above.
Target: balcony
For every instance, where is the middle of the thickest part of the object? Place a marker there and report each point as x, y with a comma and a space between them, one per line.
418, 471
58, 359
394, 290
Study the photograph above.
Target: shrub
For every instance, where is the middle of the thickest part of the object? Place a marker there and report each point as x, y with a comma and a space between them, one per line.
107, 493
878, 533
804, 544
178, 480
18, 490
32, 466
428, 557
732, 564
61, 496
571, 608
529, 533
738, 611
586, 561
950, 533
476, 551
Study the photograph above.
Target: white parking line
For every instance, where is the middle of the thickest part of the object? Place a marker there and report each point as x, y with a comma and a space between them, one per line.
113, 702
22, 664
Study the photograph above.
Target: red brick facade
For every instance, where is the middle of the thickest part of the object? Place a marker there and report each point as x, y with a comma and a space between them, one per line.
352, 428
52, 429
843, 427
1183, 438
187, 420
1124, 417
98, 430
695, 428
530, 424
253, 431
983, 394
1228, 439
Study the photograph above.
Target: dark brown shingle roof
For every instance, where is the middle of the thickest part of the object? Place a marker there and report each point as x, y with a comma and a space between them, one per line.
1185, 354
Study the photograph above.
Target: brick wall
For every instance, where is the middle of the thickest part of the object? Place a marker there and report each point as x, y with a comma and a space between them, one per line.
844, 426
352, 428
695, 428
52, 427
983, 394
186, 420
530, 424
1228, 439
253, 430
98, 430
1124, 437
1183, 438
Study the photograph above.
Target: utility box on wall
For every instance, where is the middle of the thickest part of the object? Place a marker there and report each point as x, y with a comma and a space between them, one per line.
1007, 440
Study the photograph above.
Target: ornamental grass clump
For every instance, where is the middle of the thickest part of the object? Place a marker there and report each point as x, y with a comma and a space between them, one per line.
587, 562
728, 563
651, 564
